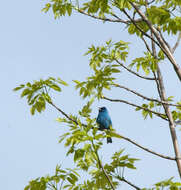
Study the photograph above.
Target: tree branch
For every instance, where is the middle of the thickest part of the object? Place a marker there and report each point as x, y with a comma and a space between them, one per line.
140, 76
144, 97
177, 43
157, 84
149, 3
119, 136
171, 122
140, 146
164, 39
128, 182
146, 44
134, 105
162, 93
103, 19
63, 113
118, 20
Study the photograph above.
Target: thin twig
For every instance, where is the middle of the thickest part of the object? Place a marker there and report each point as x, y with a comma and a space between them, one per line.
137, 106
140, 76
151, 2
63, 113
50, 186
103, 19
144, 97
126, 21
154, 55
146, 44
177, 43
140, 146
118, 19
164, 39
129, 183
157, 84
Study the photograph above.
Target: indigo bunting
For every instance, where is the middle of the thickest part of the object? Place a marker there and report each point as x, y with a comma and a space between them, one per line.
104, 121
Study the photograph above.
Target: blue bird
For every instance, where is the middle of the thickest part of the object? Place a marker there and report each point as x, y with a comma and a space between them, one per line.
104, 121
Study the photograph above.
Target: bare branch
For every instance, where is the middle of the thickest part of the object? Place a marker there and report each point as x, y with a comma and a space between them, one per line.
144, 97
149, 3
168, 113
153, 46
126, 21
171, 122
140, 76
128, 182
140, 146
137, 106
118, 19
146, 44
154, 55
63, 113
103, 19
177, 43
157, 84
164, 39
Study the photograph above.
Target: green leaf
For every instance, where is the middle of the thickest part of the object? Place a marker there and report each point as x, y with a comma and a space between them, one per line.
78, 154
19, 87
115, 70
25, 92
69, 9
137, 109
70, 180
62, 82
56, 87
129, 165
32, 110
74, 177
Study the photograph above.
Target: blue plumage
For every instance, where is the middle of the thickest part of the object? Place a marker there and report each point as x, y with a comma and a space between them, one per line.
104, 121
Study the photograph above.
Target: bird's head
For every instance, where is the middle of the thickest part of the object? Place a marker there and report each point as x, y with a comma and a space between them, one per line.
102, 109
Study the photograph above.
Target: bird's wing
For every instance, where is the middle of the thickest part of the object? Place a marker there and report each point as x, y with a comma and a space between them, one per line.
108, 122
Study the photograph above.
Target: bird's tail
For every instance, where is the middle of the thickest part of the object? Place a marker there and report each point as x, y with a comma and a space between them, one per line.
109, 140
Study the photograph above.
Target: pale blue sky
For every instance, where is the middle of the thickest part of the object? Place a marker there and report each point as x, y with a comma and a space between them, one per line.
34, 46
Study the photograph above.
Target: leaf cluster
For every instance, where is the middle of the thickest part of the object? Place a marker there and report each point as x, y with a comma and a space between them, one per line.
101, 61
62, 179
59, 7
161, 17
147, 63
37, 93
166, 184
101, 7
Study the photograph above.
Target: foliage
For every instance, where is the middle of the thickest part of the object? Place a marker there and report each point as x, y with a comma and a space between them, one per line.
102, 62
37, 92
62, 179
83, 140
166, 184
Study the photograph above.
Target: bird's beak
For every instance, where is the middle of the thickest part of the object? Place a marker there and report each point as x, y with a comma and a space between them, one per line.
99, 108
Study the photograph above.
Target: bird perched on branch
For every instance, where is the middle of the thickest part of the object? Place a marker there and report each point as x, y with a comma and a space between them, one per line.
104, 121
